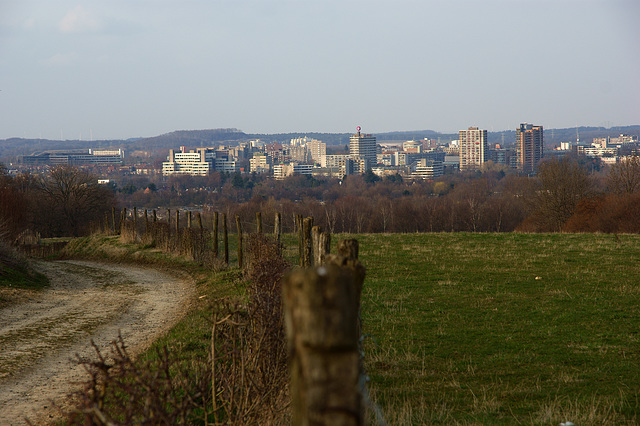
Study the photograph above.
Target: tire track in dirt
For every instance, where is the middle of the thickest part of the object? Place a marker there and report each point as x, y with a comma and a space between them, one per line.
39, 339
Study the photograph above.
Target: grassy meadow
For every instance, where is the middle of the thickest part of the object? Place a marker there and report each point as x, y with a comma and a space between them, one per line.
473, 328
502, 328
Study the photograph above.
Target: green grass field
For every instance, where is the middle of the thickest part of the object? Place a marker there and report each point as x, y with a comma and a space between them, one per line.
503, 328
479, 328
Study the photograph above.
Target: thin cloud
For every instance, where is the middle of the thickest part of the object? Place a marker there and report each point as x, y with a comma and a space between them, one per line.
61, 59
79, 20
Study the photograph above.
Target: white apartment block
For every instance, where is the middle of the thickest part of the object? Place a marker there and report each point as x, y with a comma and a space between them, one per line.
624, 139
226, 166
106, 157
260, 163
334, 172
107, 152
412, 146
473, 148
340, 162
333, 160
594, 151
428, 169
281, 171
302, 169
316, 150
194, 162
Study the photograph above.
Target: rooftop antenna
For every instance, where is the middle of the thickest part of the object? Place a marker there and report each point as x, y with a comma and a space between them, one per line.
577, 135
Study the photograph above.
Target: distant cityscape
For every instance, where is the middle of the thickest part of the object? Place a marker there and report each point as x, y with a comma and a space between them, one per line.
425, 158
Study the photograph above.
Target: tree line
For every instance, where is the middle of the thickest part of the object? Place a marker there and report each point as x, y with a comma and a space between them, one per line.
65, 202
565, 196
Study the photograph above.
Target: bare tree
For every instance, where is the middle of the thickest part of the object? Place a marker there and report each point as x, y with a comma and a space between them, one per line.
563, 183
68, 200
624, 176
331, 216
385, 206
12, 206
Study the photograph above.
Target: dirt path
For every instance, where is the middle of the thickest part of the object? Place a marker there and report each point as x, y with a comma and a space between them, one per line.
39, 339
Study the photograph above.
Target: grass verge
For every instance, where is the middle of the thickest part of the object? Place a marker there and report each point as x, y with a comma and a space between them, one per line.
17, 278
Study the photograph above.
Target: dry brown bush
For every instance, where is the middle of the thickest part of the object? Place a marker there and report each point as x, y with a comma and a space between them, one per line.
249, 346
123, 391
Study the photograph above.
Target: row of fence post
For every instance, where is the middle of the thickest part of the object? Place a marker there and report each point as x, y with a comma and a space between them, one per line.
313, 243
321, 303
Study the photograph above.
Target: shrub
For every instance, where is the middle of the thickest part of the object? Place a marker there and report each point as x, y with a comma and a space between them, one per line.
122, 391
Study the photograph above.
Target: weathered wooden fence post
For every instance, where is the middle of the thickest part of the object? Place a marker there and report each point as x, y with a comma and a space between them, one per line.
146, 222
215, 234
315, 243
348, 257
321, 320
225, 236
155, 216
134, 216
239, 226
277, 228
106, 222
259, 222
321, 245
300, 240
307, 224
199, 217
123, 217
324, 247
113, 219
177, 223
189, 219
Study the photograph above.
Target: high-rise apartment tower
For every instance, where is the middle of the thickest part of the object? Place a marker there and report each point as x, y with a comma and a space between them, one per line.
363, 146
473, 148
529, 147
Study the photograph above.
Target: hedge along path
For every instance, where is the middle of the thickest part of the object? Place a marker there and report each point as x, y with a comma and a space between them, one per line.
86, 300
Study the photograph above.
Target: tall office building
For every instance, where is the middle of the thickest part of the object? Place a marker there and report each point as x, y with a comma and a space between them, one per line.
529, 147
363, 146
473, 148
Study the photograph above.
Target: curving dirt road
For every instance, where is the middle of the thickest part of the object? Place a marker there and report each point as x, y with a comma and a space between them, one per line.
39, 338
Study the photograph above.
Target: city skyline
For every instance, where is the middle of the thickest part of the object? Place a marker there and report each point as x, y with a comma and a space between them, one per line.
117, 70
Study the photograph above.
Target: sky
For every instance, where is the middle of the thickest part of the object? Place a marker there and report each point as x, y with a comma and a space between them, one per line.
117, 69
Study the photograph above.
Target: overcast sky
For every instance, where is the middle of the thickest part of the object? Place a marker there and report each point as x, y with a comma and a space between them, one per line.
128, 68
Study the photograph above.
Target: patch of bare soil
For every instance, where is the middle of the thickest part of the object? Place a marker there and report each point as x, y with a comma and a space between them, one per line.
40, 337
